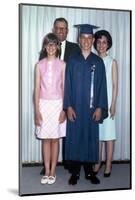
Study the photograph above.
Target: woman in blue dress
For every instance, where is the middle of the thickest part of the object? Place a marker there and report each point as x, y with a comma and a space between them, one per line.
107, 132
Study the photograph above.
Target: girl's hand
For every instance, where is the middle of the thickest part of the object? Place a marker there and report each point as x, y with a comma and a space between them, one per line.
62, 117
38, 119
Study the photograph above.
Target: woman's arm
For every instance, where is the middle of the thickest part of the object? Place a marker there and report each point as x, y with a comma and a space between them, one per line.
115, 88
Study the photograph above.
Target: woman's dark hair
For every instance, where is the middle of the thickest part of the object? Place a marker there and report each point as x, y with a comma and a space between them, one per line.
99, 34
49, 38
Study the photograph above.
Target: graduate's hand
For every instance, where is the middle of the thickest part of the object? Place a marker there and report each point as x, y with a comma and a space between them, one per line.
71, 114
62, 117
97, 114
38, 119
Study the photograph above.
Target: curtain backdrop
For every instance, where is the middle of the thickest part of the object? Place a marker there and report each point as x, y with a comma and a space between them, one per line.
35, 22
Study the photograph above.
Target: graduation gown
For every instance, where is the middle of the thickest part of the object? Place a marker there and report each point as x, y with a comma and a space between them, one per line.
82, 137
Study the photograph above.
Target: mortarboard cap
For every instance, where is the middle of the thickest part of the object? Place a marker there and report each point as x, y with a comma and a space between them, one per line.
85, 28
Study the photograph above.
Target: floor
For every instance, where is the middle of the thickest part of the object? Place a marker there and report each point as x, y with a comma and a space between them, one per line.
30, 181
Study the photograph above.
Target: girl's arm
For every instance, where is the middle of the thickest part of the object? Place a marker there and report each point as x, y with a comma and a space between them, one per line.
115, 88
38, 117
63, 77
62, 116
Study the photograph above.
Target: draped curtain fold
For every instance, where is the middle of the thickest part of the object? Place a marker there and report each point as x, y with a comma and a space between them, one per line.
36, 22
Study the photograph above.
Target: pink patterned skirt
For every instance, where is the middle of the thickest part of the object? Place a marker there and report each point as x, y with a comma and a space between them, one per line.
50, 127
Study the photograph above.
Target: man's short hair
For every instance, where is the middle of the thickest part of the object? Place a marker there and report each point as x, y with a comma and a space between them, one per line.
60, 19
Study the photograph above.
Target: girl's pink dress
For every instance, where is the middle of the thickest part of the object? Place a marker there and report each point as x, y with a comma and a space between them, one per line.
51, 99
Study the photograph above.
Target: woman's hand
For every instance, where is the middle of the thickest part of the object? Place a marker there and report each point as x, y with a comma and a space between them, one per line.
112, 111
62, 117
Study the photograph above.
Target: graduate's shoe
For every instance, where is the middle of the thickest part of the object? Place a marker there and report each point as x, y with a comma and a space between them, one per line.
42, 171
73, 179
93, 179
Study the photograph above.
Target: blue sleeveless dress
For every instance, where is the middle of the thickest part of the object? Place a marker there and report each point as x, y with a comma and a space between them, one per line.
107, 129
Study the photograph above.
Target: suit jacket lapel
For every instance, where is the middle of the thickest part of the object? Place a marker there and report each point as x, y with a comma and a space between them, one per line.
67, 51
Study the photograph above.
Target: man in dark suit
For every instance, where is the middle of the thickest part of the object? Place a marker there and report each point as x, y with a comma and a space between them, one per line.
60, 28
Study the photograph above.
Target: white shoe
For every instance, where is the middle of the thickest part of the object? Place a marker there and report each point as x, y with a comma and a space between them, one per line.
44, 179
51, 179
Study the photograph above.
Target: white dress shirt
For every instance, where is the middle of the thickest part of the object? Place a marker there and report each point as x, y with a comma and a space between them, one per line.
63, 45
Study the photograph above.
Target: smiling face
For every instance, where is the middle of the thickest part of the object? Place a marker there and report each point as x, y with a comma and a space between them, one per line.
86, 41
50, 45
61, 30
51, 48
102, 45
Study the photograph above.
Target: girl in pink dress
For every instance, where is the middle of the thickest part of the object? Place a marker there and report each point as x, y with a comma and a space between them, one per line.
49, 115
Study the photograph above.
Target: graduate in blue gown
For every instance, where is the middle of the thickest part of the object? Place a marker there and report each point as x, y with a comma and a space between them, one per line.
85, 99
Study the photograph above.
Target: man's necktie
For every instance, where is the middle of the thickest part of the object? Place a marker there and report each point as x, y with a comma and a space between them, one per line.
60, 50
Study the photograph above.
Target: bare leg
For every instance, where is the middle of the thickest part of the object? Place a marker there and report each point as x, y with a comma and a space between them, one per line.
97, 166
47, 155
109, 155
54, 155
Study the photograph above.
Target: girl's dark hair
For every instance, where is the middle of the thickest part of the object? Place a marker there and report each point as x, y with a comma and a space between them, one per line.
99, 34
49, 38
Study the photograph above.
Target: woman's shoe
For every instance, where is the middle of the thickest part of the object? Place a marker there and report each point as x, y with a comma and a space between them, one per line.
44, 179
108, 174
51, 179
95, 172
98, 168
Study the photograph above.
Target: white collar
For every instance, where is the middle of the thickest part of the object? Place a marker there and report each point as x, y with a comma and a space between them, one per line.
63, 43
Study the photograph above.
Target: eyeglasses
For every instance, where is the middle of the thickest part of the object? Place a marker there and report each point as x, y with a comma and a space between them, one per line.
51, 44
60, 28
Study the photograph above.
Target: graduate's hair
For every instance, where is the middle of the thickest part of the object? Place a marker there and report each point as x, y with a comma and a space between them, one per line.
99, 34
50, 38
60, 19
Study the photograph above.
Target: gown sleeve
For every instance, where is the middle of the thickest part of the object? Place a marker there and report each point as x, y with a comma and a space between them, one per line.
68, 86
102, 97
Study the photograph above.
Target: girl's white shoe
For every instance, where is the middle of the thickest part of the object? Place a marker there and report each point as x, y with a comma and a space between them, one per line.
44, 179
51, 179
